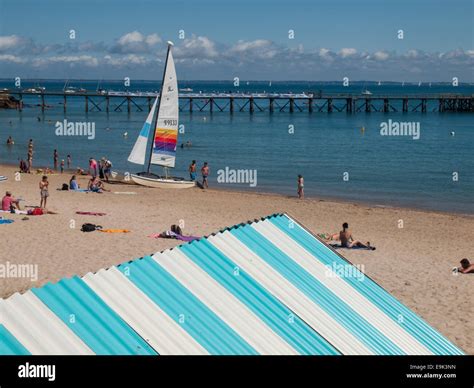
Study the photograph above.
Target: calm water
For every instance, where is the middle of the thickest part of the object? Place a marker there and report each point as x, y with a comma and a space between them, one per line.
382, 170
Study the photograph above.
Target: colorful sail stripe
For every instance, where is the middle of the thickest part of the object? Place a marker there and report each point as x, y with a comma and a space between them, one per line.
259, 288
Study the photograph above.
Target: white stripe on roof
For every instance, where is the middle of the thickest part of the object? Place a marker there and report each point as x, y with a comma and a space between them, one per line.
223, 303
142, 314
37, 328
288, 294
341, 289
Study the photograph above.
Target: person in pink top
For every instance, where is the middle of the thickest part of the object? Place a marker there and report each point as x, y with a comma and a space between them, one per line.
93, 167
8, 201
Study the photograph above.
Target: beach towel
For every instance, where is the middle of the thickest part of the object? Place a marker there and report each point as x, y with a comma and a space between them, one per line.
114, 230
91, 213
2, 221
3, 178
171, 234
125, 192
16, 211
339, 246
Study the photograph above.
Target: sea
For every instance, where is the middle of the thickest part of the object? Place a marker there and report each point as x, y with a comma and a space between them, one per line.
341, 156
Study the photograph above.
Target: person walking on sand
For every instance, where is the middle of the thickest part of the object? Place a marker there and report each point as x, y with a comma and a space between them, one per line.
205, 175
192, 170
55, 159
300, 187
44, 185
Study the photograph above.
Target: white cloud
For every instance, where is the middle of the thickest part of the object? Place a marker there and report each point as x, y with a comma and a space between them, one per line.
381, 55
135, 42
347, 52
9, 42
11, 58
196, 47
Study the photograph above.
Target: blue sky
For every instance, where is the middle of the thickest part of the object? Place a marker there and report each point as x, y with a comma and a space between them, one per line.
249, 39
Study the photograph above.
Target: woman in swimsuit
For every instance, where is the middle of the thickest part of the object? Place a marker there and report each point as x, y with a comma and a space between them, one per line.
43, 185
300, 187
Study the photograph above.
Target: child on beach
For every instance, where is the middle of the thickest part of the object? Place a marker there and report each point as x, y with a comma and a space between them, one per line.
43, 185
62, 166
300, 187
205, 175
192, 170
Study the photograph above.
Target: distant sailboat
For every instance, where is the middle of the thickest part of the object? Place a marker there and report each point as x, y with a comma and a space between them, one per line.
165, 134
380, 83
270, 83
419, 83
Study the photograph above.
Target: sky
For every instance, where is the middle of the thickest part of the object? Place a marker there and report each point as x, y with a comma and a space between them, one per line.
253, 40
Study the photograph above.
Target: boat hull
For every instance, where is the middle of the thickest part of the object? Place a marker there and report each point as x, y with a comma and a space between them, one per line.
151, 180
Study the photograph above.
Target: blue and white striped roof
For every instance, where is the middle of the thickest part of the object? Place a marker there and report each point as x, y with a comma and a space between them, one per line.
266, 287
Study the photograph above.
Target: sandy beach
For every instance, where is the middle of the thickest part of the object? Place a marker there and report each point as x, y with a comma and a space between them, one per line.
413, 263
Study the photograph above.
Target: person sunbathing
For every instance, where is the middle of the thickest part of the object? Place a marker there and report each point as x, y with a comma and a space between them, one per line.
466, 266
73, 185
348, 241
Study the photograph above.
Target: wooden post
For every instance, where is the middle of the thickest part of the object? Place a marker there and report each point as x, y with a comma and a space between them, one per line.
367, 105
211, 105
87, 104
349, 105
423, 105
292, 105
310, 105
65, 103
190, 105
251, 104
20, 103
385, 105
149, 103
128, 104
405, 105
42, 101
231, 105
107, 103
272, 100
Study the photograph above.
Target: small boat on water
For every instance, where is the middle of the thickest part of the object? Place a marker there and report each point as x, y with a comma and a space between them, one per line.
186, 90
366, 92
163, 118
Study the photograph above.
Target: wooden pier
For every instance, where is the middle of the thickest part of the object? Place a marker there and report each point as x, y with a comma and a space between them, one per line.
248, 102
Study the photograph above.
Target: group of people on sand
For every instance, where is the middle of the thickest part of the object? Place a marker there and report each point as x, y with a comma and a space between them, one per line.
205, 171
103, 168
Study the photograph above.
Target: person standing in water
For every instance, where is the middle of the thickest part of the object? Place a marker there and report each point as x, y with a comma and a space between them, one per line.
30, 155
68, 162
192, 170
43, 185
300, 187
205, 175
55, 159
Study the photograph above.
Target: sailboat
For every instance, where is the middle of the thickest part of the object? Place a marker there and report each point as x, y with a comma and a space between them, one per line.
163, 118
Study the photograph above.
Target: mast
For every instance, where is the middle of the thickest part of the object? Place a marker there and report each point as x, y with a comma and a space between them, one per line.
170, 44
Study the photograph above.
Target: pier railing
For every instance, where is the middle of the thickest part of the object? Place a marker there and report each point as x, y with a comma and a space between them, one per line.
111, 101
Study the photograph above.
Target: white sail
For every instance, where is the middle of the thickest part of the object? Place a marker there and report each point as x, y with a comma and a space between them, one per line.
166, 132
138, 153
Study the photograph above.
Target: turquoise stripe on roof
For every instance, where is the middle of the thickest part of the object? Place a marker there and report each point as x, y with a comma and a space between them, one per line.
9, 345
393, 308
269, 309
178, 302
317, 292
95, 322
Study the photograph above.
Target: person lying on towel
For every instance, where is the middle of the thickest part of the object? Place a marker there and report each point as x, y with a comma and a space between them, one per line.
466, 266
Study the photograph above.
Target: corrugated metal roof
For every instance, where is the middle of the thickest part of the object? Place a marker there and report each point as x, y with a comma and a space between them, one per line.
265, 287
